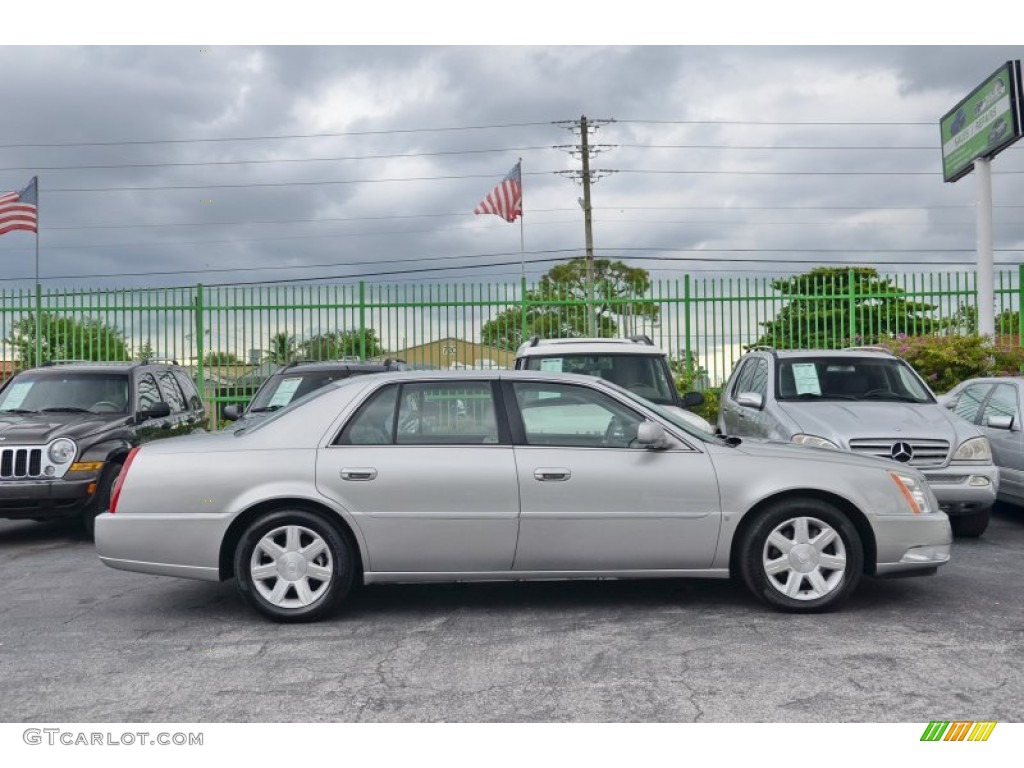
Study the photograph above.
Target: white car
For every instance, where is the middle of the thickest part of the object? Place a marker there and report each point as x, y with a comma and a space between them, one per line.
634, 363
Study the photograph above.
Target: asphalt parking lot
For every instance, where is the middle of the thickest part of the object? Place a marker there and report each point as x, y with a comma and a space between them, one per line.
80, 642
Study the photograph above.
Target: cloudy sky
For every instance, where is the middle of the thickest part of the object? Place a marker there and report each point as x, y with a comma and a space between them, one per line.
170, 165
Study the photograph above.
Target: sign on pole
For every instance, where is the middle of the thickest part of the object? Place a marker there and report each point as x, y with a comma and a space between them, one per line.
983, 124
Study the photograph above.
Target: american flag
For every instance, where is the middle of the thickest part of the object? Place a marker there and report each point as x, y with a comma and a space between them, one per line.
20, 210
506, 199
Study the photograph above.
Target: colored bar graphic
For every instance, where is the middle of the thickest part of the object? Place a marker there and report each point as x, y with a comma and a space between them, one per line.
958, 730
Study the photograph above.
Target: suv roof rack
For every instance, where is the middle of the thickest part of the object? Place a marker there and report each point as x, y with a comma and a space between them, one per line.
151, 360
50, 363
869, 348
642, 338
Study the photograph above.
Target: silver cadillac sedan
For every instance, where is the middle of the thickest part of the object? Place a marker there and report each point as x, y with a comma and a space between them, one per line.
509, 475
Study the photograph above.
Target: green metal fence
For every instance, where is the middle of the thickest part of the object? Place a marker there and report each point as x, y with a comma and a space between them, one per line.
232, 337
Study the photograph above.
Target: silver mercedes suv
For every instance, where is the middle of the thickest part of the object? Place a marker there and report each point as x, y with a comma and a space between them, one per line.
868, 401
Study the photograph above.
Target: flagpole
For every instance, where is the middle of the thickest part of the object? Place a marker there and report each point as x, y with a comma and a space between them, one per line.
39, 290
522, 240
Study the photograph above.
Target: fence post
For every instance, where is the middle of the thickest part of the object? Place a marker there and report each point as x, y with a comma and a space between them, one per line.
522, 309
362, 320
687, 354
851, 293
199, 331
1020, 305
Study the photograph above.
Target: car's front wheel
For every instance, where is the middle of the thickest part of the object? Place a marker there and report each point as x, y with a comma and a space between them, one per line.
971, 525
293, 565
801, 555
101, 501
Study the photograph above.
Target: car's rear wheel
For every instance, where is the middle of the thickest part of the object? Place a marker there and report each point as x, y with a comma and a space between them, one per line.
971, 525
101, 500
293, 565
802, 555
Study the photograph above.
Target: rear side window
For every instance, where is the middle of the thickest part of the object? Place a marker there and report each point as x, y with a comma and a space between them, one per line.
374, 422
189, 389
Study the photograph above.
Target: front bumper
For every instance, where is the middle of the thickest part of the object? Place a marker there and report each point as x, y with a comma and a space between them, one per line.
911, 545
962, 489
45, 499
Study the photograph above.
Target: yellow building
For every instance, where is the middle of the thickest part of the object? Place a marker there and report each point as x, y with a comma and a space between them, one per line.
455, 353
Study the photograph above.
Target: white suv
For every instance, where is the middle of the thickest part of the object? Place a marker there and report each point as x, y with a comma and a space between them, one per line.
635, 364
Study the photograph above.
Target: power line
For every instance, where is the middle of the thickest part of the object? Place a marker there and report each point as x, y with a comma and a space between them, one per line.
285, 183
770, 122
273, 137
791, 173
270, 161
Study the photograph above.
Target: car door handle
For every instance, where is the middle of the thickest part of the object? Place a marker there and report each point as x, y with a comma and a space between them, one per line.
359, 473
551, 473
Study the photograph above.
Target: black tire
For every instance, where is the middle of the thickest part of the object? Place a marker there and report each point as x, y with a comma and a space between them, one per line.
101, 500
971, 525
337, 559
839, 583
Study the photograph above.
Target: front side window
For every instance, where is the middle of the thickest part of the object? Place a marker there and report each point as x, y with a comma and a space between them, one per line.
1003, 402
171, 391
969, 401
849, 378
149, 393
573, 416
96, 392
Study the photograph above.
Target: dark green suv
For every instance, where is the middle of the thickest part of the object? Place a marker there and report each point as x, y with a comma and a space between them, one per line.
66, 429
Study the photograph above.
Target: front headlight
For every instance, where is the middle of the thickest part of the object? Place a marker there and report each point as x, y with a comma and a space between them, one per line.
62, 450
912, 491
975, 449
814, 441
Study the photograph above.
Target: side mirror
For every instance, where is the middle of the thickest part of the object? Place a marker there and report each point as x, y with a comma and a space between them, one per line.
1000, 421
159, 410
750, 400
652, 435
693, 399
232, 412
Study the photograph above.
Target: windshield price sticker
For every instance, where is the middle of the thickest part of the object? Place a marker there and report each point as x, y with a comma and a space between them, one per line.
805, 377
285, 391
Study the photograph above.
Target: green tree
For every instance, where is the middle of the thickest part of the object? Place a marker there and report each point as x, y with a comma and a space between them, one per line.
145, 351
221, 358
817, 314
66, 338
557, 308
338, 344
282, 348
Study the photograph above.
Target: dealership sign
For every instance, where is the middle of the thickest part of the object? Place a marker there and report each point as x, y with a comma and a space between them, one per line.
983, 124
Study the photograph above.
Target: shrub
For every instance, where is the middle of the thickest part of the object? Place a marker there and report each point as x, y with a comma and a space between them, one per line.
945, 361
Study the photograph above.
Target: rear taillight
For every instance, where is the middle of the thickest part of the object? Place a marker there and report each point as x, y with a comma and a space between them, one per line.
119, 483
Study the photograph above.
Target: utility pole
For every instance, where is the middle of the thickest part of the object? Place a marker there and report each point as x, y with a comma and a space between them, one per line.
585, 149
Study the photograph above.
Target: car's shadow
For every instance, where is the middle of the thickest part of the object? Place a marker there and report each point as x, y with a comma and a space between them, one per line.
27, 532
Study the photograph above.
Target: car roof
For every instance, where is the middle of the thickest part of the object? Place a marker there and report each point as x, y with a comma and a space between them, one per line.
90, 367
474, 375
634, 346
852, 352
332, 365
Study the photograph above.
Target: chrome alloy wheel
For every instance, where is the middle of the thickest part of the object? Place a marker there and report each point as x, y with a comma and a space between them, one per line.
804, 558
291, 566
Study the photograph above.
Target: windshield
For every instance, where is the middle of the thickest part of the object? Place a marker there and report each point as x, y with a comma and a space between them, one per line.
282, 389
644, 375
69, 392
850, 378
295, 403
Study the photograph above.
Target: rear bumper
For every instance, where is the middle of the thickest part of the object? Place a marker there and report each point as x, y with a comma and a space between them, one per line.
186, 545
